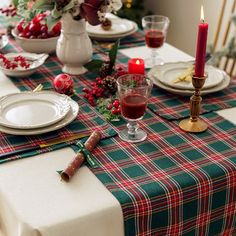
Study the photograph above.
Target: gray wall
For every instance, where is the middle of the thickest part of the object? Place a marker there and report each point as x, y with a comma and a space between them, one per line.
184, 17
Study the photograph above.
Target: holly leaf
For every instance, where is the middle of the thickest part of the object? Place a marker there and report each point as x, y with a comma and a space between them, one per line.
41, 4
94, 65
51, 21
113, 53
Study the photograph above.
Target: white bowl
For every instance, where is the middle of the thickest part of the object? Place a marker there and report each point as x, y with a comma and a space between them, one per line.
36, 45
36, 61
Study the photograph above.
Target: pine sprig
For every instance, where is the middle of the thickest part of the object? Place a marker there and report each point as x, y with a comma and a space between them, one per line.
95, 65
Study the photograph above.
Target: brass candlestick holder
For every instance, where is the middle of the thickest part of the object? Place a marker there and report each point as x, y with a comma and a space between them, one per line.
194, 124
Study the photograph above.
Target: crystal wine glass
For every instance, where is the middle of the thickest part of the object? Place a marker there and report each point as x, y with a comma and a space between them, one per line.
155, 29
134, 91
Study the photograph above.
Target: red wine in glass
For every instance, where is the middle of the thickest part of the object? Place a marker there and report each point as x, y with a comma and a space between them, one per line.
154, 38
133, 106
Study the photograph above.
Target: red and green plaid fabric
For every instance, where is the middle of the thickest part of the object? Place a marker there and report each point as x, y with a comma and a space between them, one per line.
87, 121
174, 183
172, 106
134, 40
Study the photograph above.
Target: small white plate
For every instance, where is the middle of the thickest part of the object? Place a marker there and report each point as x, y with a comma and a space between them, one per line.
36, 60
184, 92
170, 71
118, 26
71, 115
110, 37
3, 41
30, 110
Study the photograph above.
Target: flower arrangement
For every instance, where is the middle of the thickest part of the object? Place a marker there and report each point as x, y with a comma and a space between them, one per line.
93, 11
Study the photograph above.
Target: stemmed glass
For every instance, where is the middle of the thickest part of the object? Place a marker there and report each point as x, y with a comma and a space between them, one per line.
134, 91
155, 29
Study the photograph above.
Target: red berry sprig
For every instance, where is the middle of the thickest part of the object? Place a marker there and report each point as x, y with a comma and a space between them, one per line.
9, 11
95, 92
18, 61
114, 107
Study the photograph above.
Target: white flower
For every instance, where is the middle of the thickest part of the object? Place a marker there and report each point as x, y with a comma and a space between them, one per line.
116, 4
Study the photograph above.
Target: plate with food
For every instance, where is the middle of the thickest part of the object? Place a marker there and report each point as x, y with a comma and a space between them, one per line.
112, 29
21, 64
179, 75
188, 92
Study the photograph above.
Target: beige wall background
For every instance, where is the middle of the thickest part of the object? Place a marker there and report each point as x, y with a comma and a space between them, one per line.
184, 17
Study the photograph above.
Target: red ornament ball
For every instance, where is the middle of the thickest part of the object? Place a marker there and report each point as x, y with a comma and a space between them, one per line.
63, 83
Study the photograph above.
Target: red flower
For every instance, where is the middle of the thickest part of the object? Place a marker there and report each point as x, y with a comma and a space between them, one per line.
89, 10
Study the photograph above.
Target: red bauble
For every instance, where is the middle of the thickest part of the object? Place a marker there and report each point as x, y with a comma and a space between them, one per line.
63, 83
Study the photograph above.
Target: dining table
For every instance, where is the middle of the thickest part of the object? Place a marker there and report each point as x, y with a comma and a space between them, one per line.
173, 183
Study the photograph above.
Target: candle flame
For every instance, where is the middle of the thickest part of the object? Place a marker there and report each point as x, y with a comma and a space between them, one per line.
138, 62
202, 14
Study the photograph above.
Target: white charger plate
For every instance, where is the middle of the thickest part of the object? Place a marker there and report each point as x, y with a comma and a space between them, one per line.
170, 71
118, 26
71, 115
3, 41
36, 61
108, 37
184, 92
30, 110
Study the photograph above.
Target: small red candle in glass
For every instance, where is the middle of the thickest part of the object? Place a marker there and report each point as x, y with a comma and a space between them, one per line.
201, 46
136, 66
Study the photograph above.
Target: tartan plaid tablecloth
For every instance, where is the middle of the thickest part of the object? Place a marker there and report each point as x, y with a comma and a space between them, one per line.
172, 106
174, 183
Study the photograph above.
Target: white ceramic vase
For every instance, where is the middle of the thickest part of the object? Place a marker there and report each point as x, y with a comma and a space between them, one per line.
74, 47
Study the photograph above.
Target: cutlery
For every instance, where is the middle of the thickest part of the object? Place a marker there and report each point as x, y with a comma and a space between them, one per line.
38, 88
42, 146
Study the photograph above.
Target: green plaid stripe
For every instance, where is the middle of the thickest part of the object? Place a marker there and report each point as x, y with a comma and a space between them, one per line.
174, 183
134, 40
172, 106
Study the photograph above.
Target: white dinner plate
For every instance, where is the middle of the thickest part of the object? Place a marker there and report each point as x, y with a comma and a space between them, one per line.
118, 26
113, 37
70, 116
184, 92
35, 61
30, 110
170, 71
3, 41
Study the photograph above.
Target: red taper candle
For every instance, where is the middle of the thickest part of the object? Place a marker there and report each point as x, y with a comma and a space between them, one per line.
201, 46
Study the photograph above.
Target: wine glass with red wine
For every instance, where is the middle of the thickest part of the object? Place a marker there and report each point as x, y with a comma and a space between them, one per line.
134, 91
155, 29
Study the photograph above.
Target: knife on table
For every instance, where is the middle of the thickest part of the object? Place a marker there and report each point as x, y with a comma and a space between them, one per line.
41, 146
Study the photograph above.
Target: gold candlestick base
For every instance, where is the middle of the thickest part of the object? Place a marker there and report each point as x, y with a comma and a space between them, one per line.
193, 124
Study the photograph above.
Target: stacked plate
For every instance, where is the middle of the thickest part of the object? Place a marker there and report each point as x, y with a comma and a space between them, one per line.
31, 113
164, 77
119, 29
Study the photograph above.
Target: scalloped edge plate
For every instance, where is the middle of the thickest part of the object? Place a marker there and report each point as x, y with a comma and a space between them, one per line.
30, 110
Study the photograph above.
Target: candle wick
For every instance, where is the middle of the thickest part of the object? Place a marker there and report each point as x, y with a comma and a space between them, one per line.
203, 21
